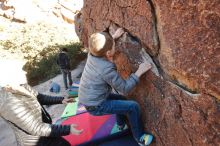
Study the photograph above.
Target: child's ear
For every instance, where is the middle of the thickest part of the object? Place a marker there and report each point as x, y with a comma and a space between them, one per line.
109, 56
108, 53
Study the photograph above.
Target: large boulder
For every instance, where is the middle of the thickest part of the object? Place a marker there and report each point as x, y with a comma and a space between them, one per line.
180, 96
189, 34
134, 16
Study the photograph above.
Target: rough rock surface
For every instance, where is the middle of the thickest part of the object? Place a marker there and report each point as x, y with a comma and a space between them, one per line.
189, 34
134, 16
180, 96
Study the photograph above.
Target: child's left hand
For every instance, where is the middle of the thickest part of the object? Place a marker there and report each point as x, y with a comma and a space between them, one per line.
68, 100
118, 33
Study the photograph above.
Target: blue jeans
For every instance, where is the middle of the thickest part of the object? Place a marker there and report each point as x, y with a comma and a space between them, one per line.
117, 104
66, 73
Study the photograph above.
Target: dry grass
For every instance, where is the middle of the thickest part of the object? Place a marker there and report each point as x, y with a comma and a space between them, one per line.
39, 44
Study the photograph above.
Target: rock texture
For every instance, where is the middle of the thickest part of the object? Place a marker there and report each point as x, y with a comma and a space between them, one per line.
190, 43
180, 96
134, 16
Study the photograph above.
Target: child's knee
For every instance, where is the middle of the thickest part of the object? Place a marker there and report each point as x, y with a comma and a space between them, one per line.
135, 105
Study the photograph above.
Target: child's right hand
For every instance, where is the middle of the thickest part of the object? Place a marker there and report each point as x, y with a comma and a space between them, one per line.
143, 67
75, 131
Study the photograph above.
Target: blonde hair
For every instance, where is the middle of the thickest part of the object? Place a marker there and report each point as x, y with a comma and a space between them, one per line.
100, 43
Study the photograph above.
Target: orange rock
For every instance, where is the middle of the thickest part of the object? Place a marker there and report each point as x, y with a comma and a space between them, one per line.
180, 106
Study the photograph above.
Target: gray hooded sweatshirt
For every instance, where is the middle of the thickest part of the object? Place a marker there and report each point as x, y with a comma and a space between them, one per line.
98, 79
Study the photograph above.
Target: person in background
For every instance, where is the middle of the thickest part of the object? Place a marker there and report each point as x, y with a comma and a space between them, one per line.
64, 63
98, 79
21, 107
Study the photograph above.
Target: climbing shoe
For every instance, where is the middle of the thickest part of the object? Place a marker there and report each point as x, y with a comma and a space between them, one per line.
122, 127
145, 140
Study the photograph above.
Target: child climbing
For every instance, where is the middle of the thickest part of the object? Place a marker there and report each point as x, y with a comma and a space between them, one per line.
98, 79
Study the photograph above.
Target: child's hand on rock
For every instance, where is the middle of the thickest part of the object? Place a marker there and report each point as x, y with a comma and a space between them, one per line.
118, 33
143, 67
